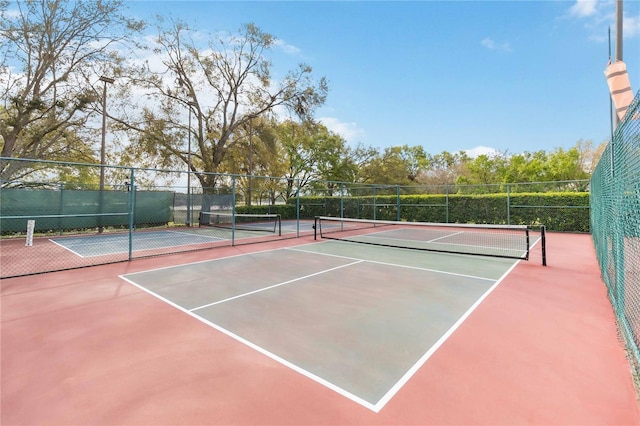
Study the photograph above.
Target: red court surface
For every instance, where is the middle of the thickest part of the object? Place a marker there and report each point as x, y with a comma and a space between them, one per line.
84, 347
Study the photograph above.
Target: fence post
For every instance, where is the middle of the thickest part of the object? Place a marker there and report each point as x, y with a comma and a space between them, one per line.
375, 208
233, 210
62, 209
508, 205
341, 199
446, 202
132, 210
398, 203
298, 207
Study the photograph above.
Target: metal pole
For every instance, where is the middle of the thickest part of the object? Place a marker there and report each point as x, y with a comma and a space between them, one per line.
103, 143
618, 43
610, 95
613, 118
188, 222
619, 30
192, 104
250, 159
132, 210
508, 204
104, 134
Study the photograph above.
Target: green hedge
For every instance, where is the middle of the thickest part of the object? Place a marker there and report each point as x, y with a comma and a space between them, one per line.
559, 211
286, 211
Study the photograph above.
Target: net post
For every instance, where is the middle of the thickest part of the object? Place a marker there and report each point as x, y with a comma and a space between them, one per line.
543, 237
526, 257
279, 222
315, 228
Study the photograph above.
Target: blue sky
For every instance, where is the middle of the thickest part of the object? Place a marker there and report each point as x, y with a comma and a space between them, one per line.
513, 76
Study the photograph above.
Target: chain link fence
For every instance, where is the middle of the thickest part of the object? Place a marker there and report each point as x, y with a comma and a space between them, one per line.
615, 220
56, 216
559, 205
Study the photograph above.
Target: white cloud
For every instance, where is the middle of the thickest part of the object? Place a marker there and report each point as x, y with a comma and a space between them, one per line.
598, 15
287, 48
490, 44
584, 8
481, 150
631, 26
11, 14
349, 131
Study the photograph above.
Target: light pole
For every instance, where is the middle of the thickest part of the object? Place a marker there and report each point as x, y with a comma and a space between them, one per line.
250, 159
619, 19
188, 223
102, 145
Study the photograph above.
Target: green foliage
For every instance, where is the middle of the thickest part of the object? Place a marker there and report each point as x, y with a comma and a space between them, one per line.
286, 211
557, 211
311, 152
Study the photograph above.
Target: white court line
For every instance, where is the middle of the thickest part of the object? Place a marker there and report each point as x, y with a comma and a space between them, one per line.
445, 236
407, 376
275, 285
125, 237
67, 248
193, 234
260, 349
438, 271
394, 389
206, 260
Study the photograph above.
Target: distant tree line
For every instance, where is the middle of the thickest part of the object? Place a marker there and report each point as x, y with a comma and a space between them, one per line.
207, 102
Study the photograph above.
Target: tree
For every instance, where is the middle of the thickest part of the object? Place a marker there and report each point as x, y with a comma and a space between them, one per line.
52, 52
314, 153
444, 168
415, 159
526, 167
484, 170
257, 153
566, 165
387, 168
589, 154
227, 86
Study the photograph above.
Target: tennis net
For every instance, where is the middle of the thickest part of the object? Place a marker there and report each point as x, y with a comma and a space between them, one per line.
508, 241
243, 221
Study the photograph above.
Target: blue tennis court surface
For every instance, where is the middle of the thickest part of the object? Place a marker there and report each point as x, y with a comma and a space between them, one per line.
104, 244
118, 243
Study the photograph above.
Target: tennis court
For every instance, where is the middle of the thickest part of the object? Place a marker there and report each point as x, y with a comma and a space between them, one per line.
304, 331
330, 311
105, 244
60, 252
114, 243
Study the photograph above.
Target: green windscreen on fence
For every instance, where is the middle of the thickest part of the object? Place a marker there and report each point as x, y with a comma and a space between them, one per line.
80, 209
615, 223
